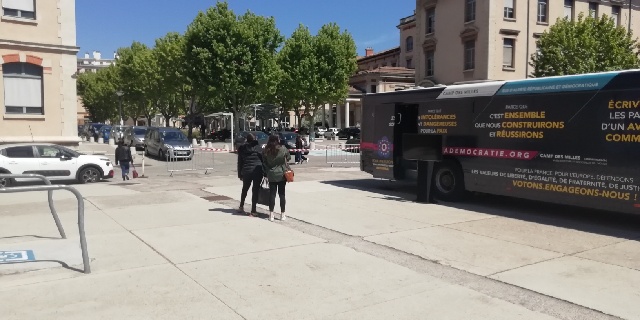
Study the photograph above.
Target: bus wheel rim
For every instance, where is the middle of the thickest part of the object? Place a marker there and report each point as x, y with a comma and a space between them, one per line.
445, 181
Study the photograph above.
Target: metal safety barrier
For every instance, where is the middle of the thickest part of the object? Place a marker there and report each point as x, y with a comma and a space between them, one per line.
342, 154
195, 159
50, 188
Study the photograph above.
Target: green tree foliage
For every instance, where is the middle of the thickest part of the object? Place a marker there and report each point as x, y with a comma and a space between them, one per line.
316, 69
169, 54
139, 79
295, 60
98, 93
584, 46
232, 59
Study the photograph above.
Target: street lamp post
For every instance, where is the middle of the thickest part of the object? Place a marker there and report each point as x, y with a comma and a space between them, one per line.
120, 94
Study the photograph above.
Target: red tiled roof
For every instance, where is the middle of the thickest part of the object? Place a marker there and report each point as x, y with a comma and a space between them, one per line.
381, 53
390, 70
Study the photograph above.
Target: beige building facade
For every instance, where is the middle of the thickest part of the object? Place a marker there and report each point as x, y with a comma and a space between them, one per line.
38, 64
384, 71
474, 40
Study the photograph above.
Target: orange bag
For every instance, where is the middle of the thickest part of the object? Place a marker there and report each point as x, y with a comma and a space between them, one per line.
288, 174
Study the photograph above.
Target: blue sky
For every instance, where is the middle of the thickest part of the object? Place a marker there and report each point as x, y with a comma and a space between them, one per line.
107, 26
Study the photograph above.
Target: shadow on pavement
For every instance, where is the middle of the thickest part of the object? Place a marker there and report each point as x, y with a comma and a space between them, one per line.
601, 222
62, 264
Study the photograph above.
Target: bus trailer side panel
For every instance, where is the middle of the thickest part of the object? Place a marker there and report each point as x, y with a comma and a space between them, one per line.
569, 140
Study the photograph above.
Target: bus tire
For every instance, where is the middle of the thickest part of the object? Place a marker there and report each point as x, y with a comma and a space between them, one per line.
448, 181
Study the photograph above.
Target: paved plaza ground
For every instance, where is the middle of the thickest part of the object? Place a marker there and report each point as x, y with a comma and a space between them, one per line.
354, 247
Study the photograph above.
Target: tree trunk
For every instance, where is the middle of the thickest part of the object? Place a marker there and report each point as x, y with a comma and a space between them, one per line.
167, 120
190, 116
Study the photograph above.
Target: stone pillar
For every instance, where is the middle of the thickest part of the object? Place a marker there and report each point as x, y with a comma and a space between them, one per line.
338, 116
346, 115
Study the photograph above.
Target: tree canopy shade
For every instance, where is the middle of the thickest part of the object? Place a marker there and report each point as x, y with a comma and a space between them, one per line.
226, 62
316, 69
98, 92
584, 46
173, 84
139, 79
232, 58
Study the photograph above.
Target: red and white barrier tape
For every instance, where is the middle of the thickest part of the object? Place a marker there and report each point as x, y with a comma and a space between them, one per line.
294, 150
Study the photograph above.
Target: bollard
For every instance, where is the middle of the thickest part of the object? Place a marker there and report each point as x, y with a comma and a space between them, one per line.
312, 145
92, 140
112, 142
226, 147
209, 145
100, 140
194, 142
203, 143
143, 165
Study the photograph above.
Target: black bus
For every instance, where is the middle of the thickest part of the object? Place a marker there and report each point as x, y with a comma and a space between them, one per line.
570, 140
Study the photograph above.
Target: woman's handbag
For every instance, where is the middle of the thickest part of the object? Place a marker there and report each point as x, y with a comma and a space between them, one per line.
288, 173
263, 196
135, 172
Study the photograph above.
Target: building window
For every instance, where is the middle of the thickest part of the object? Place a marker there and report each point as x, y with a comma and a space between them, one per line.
593, 9
469, 55
568, 9
507, 52
429, 59
509, 12
431, 20
409, 44
19, 8
615, 14
22, 88
543, 8
469, 10
409, 64
374, 88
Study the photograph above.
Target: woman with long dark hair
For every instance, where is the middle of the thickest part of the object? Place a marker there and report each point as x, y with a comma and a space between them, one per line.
250, 171
275, 161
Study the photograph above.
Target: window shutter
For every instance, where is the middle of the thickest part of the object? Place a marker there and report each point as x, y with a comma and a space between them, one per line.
21, 92
22, 5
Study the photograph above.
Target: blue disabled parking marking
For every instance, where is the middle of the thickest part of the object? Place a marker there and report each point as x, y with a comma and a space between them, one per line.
17, 256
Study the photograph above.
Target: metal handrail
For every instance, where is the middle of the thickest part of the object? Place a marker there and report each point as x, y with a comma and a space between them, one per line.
50, 196
50, 188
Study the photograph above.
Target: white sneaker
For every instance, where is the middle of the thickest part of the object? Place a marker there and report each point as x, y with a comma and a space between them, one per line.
283, 217
271, 216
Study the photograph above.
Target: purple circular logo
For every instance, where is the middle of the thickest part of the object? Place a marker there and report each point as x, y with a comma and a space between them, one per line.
384, 147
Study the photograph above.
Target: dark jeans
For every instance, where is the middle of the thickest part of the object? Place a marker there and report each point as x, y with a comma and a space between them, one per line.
279, 188
299, 156
255, 191
124, 165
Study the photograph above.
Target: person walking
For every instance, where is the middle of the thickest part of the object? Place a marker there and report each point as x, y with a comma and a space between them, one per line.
299, 147
123, 158
275, 163
250, 171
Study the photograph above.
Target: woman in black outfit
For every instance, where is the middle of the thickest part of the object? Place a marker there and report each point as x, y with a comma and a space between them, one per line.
123, 158
250, 171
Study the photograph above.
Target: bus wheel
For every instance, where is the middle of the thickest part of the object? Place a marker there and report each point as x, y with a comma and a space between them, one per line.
448, 181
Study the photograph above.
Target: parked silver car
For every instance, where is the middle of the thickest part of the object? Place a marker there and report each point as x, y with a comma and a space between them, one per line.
167, 143
117, 132
134, 136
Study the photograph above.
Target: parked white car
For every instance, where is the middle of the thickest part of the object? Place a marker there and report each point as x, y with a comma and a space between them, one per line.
54, 162
331, 132
320, 131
